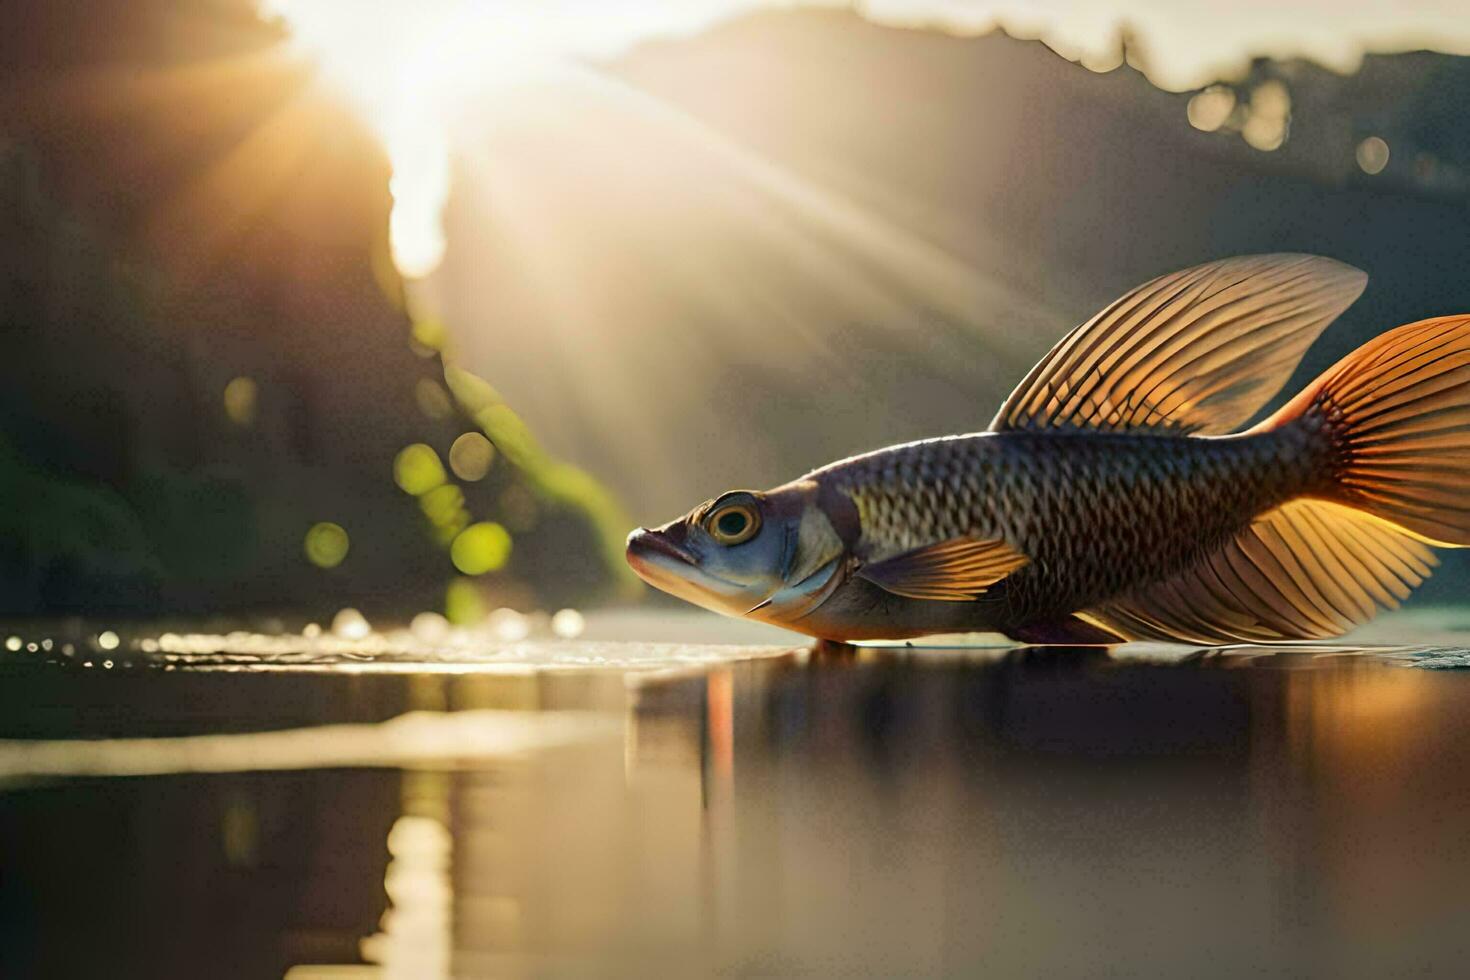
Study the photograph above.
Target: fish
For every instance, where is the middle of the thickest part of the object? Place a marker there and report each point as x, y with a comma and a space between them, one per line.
1120, 492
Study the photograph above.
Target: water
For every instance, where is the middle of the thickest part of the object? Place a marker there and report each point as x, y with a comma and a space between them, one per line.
763, 811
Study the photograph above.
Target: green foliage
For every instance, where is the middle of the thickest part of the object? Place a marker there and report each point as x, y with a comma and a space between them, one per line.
67, 529
200, 525
480, 548
417, 469
463, 605
118, 437
553, 480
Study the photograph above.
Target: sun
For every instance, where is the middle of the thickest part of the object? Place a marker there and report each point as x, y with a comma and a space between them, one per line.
405, 66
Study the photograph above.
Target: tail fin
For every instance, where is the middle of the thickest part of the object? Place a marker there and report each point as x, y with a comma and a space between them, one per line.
1398, 413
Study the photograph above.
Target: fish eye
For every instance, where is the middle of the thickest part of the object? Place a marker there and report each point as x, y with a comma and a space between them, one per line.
733, 524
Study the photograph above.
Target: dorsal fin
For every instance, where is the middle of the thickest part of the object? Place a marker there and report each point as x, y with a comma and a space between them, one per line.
1307, 570
957, 570
1200, 350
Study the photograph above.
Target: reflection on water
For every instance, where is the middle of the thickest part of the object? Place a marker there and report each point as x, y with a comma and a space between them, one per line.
1048, 812
415, 738
418, 928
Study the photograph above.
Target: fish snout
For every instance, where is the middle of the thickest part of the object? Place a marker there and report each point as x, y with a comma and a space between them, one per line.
650, 544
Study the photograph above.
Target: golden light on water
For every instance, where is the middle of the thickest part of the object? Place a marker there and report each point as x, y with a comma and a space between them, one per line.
349, 624
417, 930
470, 636
417, 737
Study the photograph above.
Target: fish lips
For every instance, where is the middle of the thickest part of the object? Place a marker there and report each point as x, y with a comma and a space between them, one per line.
646, 545
667, 565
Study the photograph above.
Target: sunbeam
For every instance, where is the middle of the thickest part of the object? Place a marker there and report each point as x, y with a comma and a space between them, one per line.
407, 65
550, 211
649, 256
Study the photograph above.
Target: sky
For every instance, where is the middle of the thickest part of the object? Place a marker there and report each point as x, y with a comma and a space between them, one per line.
406, 64
1190, 43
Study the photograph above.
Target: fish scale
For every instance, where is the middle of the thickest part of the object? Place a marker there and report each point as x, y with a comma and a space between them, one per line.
1097, 513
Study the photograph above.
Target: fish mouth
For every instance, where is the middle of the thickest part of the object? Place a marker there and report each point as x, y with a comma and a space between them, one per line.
644, 544
665, 565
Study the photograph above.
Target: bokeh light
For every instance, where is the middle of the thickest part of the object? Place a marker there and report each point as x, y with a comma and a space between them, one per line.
432, 399
1372, 155
429, 333
429, 627
1270, 116
444, 507
508, 624
417, 936
480, 548
349, 624
463, 605
1208, 110
470, 456
420, 189
417, 469
442, 503
568, 623
326, 544
241, 396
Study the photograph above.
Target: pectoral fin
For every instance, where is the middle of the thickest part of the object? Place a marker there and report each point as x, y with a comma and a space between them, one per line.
957, 570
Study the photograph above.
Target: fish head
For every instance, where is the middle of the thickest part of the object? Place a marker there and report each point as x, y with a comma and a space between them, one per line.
769, 555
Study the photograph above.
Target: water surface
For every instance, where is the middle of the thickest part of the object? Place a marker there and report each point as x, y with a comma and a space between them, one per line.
574, 809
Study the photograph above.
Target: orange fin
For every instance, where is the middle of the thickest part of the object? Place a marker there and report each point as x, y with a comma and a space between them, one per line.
1201, 350
956, 570
1398, 412
1307, 570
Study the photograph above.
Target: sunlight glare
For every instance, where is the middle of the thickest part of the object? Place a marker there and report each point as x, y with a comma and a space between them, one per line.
411, 67
405, 67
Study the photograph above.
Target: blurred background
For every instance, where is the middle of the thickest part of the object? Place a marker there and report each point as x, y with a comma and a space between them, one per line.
420, 306
410, 309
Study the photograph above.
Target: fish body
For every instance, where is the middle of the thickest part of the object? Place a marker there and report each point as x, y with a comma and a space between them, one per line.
1116, 496
1095, 512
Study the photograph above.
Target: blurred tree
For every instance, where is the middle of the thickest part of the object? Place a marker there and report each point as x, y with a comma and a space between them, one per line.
206, 354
